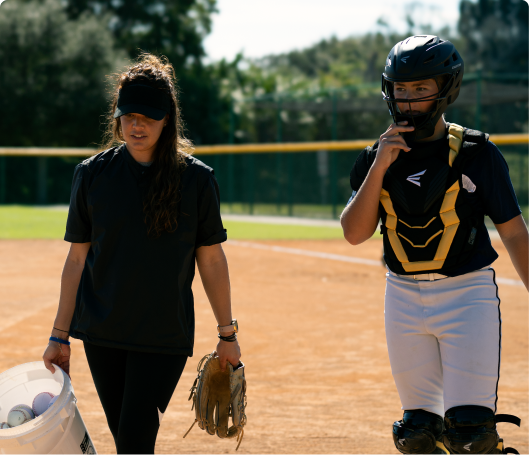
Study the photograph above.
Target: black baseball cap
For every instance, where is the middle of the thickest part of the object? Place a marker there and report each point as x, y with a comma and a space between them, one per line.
143, 99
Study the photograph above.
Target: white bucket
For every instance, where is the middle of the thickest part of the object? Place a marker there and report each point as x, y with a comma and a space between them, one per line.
58, 430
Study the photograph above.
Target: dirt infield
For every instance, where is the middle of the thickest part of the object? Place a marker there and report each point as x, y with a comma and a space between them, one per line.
312, 337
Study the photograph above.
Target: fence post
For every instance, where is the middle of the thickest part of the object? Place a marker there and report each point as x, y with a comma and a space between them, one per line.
251, 174
322, 165
279, 138
216, 168
231, 140
334, 183
477, 120
3, 184
334, 157
290, 186
42, 177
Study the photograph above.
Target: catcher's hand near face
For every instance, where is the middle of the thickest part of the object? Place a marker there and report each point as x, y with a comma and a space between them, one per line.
391, 143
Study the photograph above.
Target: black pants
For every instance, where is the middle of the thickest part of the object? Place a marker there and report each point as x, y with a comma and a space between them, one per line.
133, 388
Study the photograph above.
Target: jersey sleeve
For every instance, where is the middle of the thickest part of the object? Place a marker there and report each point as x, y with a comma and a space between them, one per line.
499, 197
210, 229
361, 167
78, 225
360, 170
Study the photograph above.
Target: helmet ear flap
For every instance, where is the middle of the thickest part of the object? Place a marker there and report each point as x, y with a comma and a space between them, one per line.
453, 89
444, 82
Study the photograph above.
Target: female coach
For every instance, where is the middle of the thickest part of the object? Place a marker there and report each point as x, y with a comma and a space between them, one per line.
432, 183
140, 213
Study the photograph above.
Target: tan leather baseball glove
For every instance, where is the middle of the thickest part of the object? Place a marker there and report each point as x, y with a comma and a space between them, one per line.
218, 395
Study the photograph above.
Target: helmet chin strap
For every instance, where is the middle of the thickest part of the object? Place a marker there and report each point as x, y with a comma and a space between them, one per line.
422, 129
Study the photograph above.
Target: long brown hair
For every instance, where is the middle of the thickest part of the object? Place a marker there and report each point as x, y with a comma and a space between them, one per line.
160, 202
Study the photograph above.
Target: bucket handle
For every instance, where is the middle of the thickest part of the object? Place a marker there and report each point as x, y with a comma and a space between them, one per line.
69, 426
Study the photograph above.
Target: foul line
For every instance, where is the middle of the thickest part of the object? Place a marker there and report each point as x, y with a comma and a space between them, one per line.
313, 254
336, 257
509, 281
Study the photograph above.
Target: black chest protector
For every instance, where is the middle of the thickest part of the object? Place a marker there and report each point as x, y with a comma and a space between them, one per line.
427, 224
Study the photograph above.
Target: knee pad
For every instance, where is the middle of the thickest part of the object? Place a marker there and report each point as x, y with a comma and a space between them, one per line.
419, 432
472, 429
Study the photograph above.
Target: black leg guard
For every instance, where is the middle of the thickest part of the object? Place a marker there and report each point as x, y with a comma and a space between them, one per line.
419, 432
472, 429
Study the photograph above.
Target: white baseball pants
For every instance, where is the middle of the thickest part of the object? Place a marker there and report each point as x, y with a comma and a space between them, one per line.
444, 340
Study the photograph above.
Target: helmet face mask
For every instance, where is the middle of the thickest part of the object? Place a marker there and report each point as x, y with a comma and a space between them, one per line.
420, 58
423, 123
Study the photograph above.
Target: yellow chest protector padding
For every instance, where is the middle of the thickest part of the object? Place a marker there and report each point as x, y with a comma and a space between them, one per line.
447, 213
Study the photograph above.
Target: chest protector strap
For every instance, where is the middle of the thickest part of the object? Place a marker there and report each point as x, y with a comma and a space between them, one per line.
447, 214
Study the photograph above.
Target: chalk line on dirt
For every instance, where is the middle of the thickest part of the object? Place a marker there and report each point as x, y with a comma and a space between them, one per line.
14, 312
336, 257
314, 254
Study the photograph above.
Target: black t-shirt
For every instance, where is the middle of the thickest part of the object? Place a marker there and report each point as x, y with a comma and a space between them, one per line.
487, 185
135, 290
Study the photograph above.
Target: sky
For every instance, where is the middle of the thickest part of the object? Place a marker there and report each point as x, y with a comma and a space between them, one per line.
263, 27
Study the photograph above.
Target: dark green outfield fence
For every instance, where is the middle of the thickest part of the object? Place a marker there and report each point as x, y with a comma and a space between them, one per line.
277, 180
309, 184
313, 184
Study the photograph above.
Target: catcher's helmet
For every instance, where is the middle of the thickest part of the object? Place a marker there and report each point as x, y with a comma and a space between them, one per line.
418, 58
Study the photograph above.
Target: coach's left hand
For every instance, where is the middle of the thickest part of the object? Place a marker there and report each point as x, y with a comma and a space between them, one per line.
228, 352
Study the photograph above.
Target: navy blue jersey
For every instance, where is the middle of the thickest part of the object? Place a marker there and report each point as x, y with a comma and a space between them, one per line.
486, 184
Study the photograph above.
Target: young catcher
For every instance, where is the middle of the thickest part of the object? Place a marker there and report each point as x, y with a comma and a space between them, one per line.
140, 214
432, 183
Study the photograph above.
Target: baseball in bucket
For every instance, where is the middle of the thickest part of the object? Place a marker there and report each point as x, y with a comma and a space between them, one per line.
39, 414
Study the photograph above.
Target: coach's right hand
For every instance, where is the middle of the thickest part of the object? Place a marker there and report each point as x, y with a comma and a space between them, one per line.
390, 144
59, 354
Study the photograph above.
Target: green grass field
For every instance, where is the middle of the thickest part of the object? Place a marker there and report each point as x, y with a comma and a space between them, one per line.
258, 231
323, 211
19, 222
23, 222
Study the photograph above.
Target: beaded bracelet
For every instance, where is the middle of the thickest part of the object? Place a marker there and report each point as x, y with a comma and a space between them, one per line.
229, 338
58, 340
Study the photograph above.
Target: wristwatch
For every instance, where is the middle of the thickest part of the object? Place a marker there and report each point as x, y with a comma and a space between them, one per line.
233, 327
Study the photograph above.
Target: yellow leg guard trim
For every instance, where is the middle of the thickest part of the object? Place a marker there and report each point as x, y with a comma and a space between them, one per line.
421, 246
441, 446
500, 445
